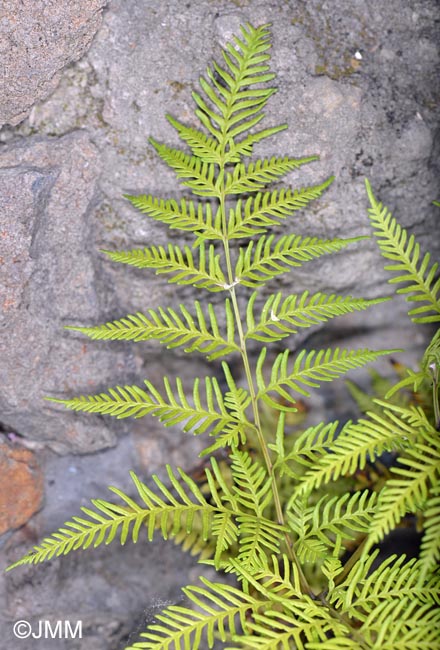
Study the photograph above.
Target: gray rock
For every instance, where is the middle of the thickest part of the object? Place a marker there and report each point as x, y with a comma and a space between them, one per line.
38, 38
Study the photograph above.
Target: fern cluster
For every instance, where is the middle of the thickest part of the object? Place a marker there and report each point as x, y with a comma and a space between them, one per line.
284, 515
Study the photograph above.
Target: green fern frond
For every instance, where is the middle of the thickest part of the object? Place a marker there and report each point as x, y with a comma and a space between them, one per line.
200, 174
324, 528
306, 449
308, 369
256, 175
232, 104
430, 547
206, 413
282, 317
405, 254
419, 471
396, 577
270, 257
266, 209
364, 440
197, 332
161, 510
205, 273
187, 215
220, 610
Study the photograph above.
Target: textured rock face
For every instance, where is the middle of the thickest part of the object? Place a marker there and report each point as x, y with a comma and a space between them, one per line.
38, 38
357, 84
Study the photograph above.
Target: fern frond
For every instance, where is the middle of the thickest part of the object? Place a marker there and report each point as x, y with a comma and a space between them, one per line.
270, 257
418, 472
306, 449
308, 369
282, 317
160, 509
430, 547
206, 413
404, 253
188, 216
200, 174
204, 273
266, 209
220, 610
256, 175
326, 526
173, 329
231, 104
365, 440
396, 577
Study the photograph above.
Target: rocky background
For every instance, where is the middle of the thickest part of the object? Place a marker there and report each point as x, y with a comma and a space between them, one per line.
84, 84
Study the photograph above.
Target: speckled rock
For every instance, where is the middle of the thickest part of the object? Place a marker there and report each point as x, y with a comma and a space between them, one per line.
38, 38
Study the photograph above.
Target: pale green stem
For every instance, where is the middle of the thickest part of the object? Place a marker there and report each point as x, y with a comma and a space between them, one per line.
253, 394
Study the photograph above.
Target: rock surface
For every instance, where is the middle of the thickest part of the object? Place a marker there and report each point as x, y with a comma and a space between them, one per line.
38, 38
357, 85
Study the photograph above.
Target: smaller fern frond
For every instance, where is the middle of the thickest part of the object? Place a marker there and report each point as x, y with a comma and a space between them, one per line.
200, 175
266, 209
244, 147
327, 526
364, 440
204, 273
197, 332
430, 547
161, 509
219, 611
404, 253
186, 215
231, 104
207, 412
309, 369
270, 257
408, 489
282, 317
256, 175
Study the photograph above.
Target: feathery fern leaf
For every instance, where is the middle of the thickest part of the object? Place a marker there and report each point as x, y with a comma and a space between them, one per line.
417, 473
366, 439
309, 369
266, 209
201, 145
256, 175
221, 610
207, 413
232, 104
280, 318
270, 257
405, 254
186, 215
430, 547
173, 329
160, 510
206, 274
325, 527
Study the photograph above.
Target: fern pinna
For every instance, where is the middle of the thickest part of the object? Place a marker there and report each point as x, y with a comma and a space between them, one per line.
262, 516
